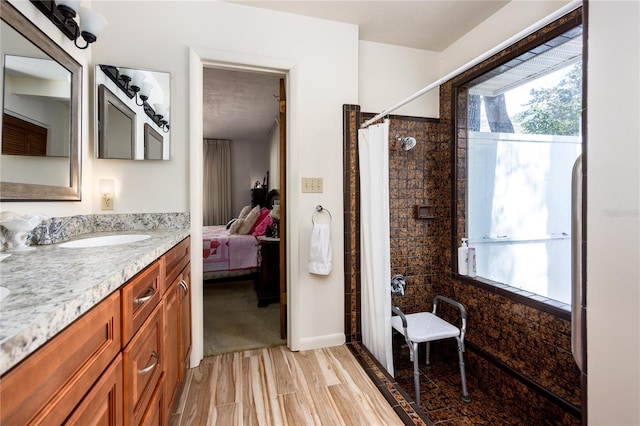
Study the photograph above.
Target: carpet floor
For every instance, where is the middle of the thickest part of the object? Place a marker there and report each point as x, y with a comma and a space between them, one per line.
233, 322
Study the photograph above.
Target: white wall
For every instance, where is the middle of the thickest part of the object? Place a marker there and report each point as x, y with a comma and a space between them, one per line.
613, 223
388, 74
249, 163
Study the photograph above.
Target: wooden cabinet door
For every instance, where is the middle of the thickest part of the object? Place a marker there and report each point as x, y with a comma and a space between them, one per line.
177, 337
185, 321
171, 347
21, 137
103, 404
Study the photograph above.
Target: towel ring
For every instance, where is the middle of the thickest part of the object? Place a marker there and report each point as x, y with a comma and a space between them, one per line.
320, 209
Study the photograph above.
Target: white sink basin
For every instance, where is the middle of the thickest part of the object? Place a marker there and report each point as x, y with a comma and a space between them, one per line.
4, 292
110, 240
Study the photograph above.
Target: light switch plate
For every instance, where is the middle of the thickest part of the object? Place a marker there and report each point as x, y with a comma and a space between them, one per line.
311, 184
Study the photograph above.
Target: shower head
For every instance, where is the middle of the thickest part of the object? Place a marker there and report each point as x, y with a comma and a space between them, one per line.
408, 143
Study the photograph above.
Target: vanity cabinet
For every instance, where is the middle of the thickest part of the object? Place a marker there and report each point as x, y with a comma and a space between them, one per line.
47, 386
121, 363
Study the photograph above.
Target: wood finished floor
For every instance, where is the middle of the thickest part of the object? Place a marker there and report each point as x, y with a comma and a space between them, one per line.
275, 386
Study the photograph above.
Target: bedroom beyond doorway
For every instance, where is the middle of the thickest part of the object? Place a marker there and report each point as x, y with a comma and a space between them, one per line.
244, 109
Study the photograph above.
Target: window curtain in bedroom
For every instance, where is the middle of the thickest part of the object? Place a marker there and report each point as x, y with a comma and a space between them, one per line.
375, 256
217, 182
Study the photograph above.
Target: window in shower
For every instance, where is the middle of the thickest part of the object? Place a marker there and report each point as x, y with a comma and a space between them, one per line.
523, 137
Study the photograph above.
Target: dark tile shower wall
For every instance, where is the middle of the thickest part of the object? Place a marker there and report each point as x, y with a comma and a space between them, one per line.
516, 352
413, 252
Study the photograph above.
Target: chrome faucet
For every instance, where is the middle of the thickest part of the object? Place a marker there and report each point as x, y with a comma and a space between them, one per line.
55, 231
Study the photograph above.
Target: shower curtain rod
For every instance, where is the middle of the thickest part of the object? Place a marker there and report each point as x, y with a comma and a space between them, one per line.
535, 27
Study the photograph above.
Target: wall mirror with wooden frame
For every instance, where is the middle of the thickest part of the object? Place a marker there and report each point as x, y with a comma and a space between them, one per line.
41, 106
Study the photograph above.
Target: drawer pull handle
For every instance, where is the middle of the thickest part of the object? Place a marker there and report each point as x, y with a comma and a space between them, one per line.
150, 293
145, 370
185, 286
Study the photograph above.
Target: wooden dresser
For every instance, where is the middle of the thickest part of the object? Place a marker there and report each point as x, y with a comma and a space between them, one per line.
268, 281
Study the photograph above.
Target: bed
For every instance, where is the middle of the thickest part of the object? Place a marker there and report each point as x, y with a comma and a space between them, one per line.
228, 255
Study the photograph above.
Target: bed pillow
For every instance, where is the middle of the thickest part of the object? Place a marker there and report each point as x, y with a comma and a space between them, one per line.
249, 221
235, 226
231, 222
244, 212
264, 212
261, 228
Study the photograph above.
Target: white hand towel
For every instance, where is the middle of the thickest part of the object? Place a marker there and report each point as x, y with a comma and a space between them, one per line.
320, 250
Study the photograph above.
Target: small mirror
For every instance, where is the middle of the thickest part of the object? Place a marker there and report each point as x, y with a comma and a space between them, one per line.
41, 97
133, 113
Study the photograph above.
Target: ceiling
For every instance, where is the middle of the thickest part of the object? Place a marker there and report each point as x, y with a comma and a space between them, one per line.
231, 96
427, 24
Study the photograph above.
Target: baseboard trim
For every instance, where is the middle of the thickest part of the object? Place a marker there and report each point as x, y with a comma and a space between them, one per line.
318, 342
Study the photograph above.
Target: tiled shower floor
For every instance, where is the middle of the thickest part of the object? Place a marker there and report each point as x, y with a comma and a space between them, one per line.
440, 391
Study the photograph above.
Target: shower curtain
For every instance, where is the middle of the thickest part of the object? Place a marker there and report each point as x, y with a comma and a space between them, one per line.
373, 152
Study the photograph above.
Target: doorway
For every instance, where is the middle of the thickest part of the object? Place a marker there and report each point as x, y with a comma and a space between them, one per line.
247, 109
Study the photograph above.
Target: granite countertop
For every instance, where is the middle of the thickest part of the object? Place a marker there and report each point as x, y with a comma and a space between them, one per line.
52, 286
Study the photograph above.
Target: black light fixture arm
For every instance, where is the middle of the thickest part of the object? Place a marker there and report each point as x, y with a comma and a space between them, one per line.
58, 16
63, 17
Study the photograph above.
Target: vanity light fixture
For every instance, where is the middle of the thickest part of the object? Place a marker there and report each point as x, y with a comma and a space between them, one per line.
134, 85
165, 120
126, 75
145, 91
161, 117
63, 12
140, 87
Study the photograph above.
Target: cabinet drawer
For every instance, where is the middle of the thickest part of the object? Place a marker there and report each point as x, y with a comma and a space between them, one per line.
156, 414
175, 260
143, 359
103, 404
47, 386
139, 298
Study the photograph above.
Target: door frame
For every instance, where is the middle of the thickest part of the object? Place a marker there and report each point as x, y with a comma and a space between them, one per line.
198, 59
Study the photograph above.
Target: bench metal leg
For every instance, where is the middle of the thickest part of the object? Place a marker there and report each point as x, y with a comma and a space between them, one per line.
416, 373
427, 354
463, 374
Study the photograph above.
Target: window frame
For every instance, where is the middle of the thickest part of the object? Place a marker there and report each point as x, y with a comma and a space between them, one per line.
459, 128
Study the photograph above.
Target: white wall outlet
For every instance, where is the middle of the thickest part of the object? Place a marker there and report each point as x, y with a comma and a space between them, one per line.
107, 202
311, 184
